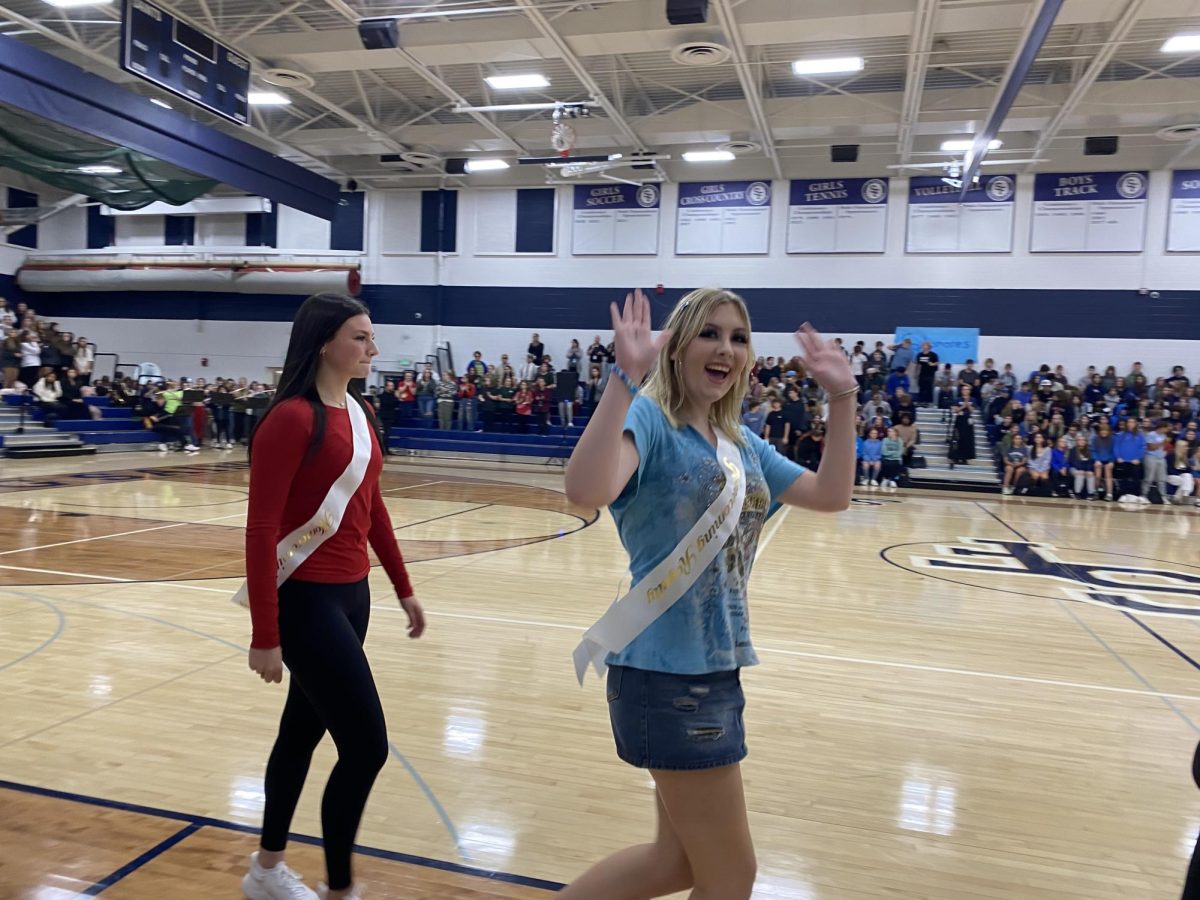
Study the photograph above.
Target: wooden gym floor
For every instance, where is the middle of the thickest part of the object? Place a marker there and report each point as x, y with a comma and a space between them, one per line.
960, 696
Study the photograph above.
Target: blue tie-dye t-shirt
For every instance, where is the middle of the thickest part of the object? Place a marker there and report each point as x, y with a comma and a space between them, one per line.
678, 478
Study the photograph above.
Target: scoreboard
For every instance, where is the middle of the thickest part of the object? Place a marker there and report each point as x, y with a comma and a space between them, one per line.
160, 48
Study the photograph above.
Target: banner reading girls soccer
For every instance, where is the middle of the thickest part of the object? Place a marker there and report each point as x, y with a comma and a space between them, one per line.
838, 215
722, 217
615, 220
1183, 228
1089, 212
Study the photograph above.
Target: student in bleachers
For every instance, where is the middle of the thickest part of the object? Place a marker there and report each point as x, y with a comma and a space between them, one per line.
927, 368
575, 357
872, 457
427, 394
523, 407
536, 350
891, 458
10, 357
962, 429
1179, 467
755, 418
944, 387
506, 401
1083, 468
1129, 449
1154, 463
446, 391
542, 403
776, 430
1016, 457
467, 403
406, 399
909, 436
477, 368
1060, 475
528, 370
593, 388
31, 357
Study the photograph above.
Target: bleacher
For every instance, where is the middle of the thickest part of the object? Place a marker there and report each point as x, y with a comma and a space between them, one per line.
117, 429
421, 437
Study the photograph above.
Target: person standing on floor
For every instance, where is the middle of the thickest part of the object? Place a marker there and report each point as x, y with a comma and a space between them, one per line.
315, 505
683, 477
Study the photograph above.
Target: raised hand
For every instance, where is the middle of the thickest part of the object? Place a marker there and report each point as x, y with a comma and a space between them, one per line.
825, 361
637, 348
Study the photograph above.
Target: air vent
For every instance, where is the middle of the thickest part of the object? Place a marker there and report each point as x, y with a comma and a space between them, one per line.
287, 78
701, 53
740, 147
420, 159
1187, 132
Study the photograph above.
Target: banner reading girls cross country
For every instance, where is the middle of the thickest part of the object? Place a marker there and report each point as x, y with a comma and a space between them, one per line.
981, 223
838, 215
1089, 212
1183, 227
723, 217
615, 220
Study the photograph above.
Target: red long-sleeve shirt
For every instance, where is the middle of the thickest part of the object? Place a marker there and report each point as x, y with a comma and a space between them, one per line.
285, 492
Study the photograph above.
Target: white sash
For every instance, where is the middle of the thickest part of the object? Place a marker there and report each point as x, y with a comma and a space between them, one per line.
669, 580
298, 546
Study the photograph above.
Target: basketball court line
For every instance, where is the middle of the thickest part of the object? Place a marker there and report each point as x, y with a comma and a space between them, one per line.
409, 487
210, 822
103, 537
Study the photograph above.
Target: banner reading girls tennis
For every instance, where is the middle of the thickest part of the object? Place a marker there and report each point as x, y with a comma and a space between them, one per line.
838, 215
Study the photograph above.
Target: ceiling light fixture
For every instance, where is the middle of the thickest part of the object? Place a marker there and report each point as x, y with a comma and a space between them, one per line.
516, 82
1182, 43
76, 4
964, 146
832, 66
708, 156
267, 98
486, 165
99, 170
163, 103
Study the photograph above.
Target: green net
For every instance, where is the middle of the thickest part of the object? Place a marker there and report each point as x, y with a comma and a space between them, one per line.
83, 164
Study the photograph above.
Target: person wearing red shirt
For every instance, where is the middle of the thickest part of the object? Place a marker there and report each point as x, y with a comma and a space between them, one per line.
315, 622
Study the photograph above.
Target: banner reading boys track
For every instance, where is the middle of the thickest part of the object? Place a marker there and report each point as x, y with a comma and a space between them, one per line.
838, 215
615, 220
723, 217
1183, 228
982, 223
952, 345
1089, 212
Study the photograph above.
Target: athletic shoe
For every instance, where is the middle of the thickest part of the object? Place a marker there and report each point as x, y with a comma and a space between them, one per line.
1006, 491
276, 883
1145, 501
873, 483
163, 448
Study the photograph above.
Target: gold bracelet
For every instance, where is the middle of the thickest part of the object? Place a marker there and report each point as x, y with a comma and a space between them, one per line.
846, 393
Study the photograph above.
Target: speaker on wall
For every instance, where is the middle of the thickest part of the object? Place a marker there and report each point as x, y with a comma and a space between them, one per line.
843, 153
456, 166
1100, 146
379, 34
687, 12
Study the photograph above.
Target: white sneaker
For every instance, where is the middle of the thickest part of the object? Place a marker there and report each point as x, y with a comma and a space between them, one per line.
1006, 491
162, 448
873, 483
277, 883
1145, 501
1126, 498
191, 448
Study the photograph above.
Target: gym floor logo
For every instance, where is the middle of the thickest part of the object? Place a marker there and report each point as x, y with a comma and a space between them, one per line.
1133, 583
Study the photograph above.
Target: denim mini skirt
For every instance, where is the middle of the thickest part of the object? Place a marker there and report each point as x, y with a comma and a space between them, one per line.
677, 722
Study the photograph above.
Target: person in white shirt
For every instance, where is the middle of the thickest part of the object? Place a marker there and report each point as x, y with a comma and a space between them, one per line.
31, 356
528, 370
85, 358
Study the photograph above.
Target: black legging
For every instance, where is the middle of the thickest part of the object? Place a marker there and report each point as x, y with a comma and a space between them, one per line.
1191, 887
321, 631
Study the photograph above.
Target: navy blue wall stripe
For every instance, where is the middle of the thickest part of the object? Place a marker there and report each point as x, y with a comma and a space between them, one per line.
28, 236
1093, 314
535, 220
101, 229
179, 231
262, 229
9, 290
346, 232
439, 221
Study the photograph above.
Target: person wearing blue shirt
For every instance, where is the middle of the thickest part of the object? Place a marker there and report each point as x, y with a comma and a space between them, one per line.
872, 456
896, 381
652, 455
1129, 447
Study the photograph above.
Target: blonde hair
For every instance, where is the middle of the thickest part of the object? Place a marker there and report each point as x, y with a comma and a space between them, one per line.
666, 386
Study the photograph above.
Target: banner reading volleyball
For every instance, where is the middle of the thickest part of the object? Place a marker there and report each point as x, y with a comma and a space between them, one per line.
940, 222
723, 217
616, 219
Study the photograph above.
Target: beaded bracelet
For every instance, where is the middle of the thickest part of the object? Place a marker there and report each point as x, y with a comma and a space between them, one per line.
628, 382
